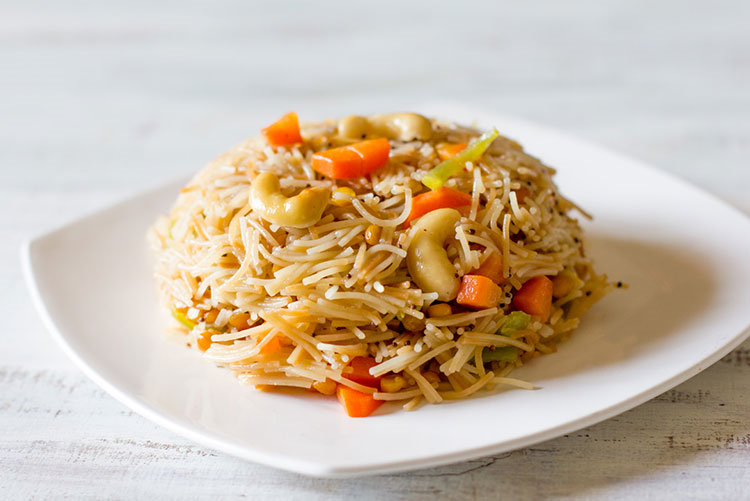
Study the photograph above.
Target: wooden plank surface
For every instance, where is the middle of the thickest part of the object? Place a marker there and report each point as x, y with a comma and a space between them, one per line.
62, 434
98, 100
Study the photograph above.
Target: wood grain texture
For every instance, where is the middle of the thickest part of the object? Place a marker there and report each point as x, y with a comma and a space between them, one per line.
62, 434
98, 100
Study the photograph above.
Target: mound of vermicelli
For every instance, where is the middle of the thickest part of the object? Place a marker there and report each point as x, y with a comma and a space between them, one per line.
285, 306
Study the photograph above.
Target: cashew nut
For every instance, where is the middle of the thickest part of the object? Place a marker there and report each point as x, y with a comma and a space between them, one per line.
400, 126
426, 257
299, 211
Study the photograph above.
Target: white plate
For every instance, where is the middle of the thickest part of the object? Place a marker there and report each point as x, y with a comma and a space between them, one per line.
683, 252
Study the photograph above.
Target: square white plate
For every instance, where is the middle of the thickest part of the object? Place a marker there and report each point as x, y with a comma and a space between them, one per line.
684, 254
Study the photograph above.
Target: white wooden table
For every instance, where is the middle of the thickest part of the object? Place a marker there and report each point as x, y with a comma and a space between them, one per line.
98, 100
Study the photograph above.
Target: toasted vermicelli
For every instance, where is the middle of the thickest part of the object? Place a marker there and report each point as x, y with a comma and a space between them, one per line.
293, 304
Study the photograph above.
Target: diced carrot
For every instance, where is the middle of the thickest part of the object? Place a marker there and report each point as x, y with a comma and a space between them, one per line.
210, 316
338, 163
478, 292
535, 297
284, 131
204, 340
436, 199
374, 153
492, 268
465, 210
353, 161
449, 150
271, 346
356, 403
522, 193
360, 367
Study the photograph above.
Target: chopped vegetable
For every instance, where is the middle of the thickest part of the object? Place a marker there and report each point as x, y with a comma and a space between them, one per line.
284, 131
361, 372
181, 317
492, 268
204, 340
353, 161
478, 292
452, 166
356, 403
500, 354
271, 346
564, 283
438, 199
516, 321
449, 150
327, 387
210, 316
522, 193
535, 297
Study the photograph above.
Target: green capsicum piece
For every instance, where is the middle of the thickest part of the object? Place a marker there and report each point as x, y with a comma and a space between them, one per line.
516, 321
183, 319
450, 167
501, 354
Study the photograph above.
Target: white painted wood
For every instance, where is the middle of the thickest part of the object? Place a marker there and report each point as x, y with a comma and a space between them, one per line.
98, 100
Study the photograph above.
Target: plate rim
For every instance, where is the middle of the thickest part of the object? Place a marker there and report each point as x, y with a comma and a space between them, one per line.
314, 469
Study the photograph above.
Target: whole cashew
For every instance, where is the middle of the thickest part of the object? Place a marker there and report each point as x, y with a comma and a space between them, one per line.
426, 257
400, 126
299, 211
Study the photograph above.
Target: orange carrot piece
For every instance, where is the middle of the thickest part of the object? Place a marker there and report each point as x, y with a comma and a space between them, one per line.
353, 161
284, 131
374, 153
272, 346
478, 292
204, 340
535, 297
356, 403
492, 268
522, 193
436, 199
449, 150
361, 372
338, 163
